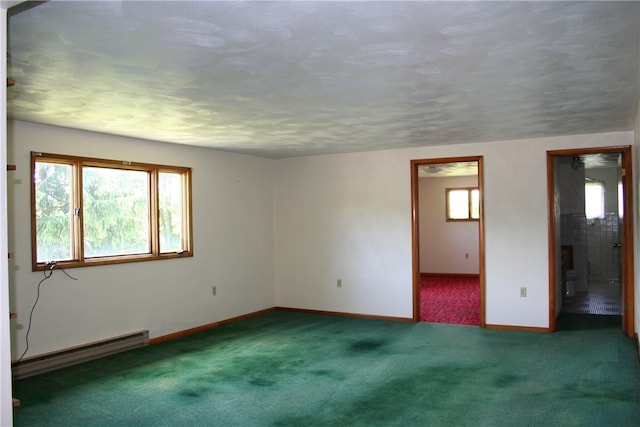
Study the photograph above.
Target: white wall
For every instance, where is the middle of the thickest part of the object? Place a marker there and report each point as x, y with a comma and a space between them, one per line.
233, 248
349, 216
450, 247
6, 413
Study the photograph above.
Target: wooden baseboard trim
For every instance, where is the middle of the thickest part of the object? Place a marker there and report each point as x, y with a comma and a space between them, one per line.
519, 328
180, 334
449, 274
339, 313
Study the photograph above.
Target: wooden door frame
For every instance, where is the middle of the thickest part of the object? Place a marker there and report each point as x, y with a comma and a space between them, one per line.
628, 279
415, 232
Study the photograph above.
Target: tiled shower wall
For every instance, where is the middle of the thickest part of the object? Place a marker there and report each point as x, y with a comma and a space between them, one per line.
603, 258
573, 232
594, 254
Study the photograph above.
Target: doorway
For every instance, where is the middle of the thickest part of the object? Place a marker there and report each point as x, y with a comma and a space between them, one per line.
590, 235
447, 244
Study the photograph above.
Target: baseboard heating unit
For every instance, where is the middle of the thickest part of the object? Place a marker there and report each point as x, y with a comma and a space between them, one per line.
79, 354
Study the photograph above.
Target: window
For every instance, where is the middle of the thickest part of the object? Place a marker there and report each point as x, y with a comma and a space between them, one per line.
620, 200
94, 212
463, 204
594, 199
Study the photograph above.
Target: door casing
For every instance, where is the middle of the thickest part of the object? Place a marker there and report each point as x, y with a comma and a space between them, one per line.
415, 232
628, 286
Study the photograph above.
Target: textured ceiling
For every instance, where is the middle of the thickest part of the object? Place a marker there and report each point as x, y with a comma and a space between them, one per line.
588, 161
445, 170
280, 79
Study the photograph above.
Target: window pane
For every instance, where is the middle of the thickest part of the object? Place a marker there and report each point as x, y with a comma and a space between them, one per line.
53, 212
475, 204
171, 197
116, 212
594, 200
458, 204
620, 200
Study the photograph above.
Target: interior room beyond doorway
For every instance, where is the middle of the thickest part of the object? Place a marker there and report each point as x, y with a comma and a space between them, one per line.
447, 199
591, 219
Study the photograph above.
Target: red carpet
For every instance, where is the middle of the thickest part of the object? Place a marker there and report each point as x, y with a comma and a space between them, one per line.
450, 299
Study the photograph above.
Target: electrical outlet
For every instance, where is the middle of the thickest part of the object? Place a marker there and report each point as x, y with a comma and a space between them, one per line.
339, 283
214, 291
523, 292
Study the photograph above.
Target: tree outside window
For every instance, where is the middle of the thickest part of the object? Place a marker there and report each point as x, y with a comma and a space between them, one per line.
95, 211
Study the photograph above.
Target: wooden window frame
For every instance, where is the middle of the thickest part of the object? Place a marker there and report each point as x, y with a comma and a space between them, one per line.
77, 239
469, 190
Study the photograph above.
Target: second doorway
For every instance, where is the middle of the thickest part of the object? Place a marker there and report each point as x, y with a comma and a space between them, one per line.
448, 255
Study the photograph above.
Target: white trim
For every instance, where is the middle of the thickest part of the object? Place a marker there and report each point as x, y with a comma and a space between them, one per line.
6, 400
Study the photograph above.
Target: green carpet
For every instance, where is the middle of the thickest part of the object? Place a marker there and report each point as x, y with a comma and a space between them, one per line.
293, 369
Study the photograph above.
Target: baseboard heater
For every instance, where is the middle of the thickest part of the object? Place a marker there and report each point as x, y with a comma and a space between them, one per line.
79, 354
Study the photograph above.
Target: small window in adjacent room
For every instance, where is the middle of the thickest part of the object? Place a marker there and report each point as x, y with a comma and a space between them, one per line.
594, 199
463, 204
95, 211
